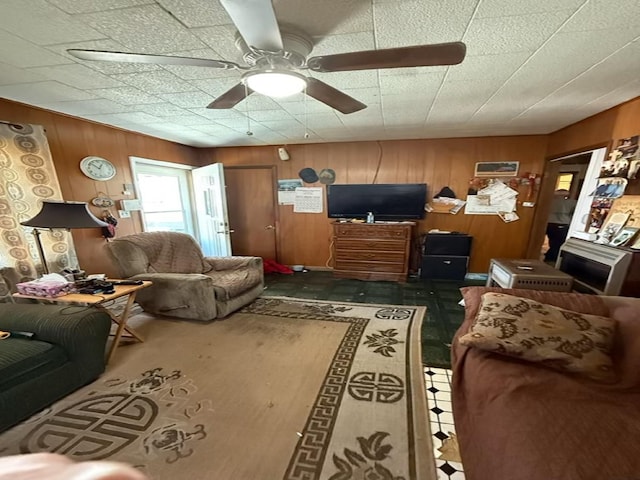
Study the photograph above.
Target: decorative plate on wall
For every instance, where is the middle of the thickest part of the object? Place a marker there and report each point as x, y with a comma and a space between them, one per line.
98, 168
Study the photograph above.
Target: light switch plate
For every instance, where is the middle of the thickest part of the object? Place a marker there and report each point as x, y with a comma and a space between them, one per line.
124, 213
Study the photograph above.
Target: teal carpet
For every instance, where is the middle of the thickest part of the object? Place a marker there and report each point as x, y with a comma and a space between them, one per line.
441, 298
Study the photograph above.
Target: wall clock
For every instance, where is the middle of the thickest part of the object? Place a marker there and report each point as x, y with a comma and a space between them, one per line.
98, 168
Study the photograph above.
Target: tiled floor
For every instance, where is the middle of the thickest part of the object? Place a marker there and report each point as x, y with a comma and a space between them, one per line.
438, 385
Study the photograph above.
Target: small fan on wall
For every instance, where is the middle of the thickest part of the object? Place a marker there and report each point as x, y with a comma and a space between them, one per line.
274, 58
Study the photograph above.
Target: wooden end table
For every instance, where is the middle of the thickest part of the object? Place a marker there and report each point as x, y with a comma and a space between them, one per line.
98, 300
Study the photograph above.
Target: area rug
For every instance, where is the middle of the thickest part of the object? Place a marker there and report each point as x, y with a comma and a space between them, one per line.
283, 389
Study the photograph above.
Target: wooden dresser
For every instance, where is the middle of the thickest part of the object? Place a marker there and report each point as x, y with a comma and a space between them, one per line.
372, 251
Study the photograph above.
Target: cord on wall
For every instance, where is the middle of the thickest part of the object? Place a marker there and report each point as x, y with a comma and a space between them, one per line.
329, 262
375, 176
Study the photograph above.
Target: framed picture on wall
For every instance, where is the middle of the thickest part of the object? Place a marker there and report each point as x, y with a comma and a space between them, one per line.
496, 169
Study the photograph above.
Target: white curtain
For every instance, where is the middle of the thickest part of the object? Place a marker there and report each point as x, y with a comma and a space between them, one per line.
27, 177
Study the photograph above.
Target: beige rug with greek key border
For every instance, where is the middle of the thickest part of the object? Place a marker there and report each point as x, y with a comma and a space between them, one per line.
283, 389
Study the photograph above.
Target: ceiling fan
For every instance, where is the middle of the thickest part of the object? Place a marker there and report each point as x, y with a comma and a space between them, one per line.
274, 56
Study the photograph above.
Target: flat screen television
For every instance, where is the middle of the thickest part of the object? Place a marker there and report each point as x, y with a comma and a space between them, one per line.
394, 202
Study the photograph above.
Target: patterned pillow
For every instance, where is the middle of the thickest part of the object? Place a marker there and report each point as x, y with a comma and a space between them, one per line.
555, 337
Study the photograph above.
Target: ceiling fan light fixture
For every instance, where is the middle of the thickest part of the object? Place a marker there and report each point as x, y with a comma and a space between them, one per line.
275, 83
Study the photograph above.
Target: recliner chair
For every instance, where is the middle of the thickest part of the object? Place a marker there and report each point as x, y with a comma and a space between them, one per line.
186, 284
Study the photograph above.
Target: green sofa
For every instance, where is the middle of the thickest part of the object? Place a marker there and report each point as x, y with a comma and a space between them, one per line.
66, 352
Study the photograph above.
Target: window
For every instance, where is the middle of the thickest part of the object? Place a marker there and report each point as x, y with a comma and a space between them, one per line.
564, 181
164, 193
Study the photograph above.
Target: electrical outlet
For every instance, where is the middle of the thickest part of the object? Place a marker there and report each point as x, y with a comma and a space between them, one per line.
124, 213
528, 204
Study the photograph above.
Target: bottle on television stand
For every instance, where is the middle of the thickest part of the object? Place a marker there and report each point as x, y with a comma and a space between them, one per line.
370, 218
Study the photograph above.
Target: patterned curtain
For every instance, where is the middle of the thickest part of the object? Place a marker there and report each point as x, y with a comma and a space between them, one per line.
27, 177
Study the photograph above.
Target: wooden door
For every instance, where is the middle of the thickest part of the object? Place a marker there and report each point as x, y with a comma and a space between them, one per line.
252, 210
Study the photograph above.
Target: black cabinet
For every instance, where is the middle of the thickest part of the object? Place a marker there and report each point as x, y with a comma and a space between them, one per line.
445, 256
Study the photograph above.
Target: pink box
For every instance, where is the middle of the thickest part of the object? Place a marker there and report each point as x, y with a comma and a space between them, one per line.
44, 288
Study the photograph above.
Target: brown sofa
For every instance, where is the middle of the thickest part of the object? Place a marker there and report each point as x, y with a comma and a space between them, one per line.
186, 284
517, 420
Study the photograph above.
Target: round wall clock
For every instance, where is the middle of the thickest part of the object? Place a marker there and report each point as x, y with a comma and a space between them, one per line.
98, 168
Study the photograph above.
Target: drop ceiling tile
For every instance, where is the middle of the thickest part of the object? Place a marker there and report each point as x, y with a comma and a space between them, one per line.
126, 95
192, 99
196, 13
401, 24
312, 106
257, 101
409, 83
78, 76
356, 79
523, 33
10, 75
35, 93
217, 115
155, 82
126, 117
347, 42
220, 38
285, 127
89, 6
505, 8
163, 109
326, 17
216, 129
494, 68
41, 23
87, 107
187, 120
602, 14
20, 53
143, 29
266, 115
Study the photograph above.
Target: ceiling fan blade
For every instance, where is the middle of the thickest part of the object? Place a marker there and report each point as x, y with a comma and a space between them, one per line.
106, 56
330, 96
418, 56
256, 22
231, 97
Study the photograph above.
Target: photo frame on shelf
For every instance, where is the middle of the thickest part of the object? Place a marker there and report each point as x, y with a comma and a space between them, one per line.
496, 169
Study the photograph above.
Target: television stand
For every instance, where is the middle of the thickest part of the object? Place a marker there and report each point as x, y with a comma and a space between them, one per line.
372, 251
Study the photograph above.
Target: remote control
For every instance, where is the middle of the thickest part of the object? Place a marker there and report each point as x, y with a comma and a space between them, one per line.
127, 282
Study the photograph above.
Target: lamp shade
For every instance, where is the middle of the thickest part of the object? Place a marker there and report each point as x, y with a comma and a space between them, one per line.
64, 215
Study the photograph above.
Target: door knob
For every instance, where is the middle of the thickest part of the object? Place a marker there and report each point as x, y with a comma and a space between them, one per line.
269, 227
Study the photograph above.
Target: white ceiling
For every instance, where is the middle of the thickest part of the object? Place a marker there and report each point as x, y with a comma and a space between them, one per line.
532, 66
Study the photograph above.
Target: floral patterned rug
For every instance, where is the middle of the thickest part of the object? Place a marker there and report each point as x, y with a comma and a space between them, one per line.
285, 388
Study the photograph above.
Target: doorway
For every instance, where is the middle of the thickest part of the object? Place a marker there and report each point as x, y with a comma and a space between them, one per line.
577, 173
252, 210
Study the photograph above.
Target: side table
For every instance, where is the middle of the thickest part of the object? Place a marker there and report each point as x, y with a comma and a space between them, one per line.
98, 301
528, 274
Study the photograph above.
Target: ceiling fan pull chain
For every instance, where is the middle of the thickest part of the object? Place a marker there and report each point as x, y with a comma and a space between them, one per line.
306, 117
246, 94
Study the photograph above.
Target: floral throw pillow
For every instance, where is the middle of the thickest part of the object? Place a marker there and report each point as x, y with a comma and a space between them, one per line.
558, 338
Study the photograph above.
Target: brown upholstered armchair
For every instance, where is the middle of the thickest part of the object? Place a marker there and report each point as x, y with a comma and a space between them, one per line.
185, 283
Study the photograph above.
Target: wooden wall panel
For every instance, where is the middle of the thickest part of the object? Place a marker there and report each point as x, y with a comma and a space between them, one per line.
628, 120
70, 140
305, 238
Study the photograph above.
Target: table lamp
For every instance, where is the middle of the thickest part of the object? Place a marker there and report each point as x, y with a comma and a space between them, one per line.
65, 215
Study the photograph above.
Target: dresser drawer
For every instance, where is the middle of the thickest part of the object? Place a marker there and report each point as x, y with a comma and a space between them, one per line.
372, 230
371, 256
370, 244
364, 266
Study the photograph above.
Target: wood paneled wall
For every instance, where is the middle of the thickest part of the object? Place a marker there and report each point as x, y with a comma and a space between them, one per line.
70, 140
305, 238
